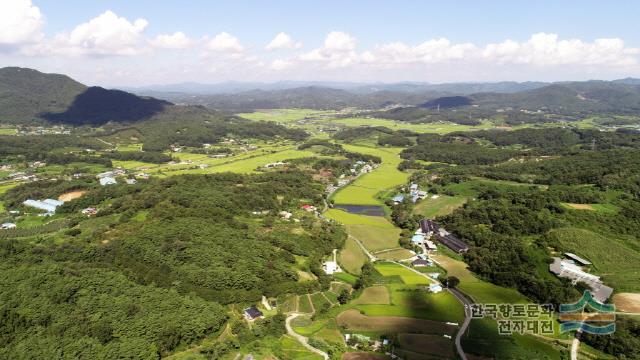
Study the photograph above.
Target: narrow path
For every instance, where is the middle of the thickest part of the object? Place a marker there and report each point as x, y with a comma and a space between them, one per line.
431, 280
326, 298
371, 257
575, 345
301, 339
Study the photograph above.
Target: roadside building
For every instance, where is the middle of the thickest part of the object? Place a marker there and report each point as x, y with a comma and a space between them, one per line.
7, 226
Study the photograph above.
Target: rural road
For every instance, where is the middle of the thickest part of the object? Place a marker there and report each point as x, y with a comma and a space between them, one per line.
467, 319
575, 345
303, 340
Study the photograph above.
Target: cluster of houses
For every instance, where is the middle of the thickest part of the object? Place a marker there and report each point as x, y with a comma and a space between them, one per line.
109, 177
572, 267
429, 229
414, 194
359, 168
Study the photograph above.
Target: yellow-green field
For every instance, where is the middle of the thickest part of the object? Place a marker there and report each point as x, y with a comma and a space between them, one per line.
439, 128
364, 190
351, 257
346, 218
408, 277
375, 238
443, 205
284, 115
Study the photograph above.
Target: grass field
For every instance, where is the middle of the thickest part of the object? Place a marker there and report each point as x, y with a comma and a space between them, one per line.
351, 257
304, 305
482, 339
346, 218
427, 344
443, 205
439, 128
408, 277
604, 208
353, 320
617, 261
375, 295
394, 255
283, 115
319, 301
481, 291
364, 190
375, 238
292, 349
416, 303
8, 131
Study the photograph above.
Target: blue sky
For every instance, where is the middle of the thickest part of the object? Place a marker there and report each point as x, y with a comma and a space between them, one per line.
436, 41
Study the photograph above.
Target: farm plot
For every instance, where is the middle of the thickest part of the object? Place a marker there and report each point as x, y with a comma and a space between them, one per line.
353, 320
374, 238
375, 295
427, 344
408, 277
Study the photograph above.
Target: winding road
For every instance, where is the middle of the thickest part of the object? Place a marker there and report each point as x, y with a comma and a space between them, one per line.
301, 339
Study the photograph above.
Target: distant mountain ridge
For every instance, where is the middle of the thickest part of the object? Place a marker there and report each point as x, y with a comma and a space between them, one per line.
27, 95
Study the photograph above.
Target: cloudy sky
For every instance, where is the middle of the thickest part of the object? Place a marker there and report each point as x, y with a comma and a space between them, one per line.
142, 42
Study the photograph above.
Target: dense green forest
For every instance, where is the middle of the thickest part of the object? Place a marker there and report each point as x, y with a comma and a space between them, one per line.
149, 273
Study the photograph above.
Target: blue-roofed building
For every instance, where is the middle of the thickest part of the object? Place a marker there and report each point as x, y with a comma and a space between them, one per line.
417, 239
435, 288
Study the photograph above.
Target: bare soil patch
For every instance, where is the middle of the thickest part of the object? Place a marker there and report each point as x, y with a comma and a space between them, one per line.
71, 195
627, 302
581, 206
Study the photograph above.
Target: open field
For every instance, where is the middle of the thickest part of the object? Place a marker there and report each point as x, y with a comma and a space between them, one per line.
374, 238
443, 205
481, 291
605, 208
304, 304
351, 257
408, 277
364, 356
71, 195
427, 344
375, 295
395, 254
615, 260
292, 349
284, 115
627, 302
364, 190
8, 131
353, 320
438, 128
346, 218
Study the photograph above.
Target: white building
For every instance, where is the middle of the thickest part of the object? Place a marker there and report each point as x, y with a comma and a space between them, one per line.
331, 267
108, 180
7, 226
48, 205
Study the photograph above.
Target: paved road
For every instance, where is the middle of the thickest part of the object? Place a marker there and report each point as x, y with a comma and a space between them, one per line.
303, 340
467, 319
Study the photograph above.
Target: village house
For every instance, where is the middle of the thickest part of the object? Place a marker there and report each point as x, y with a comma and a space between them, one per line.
90, 211
252, 313
7, 226
107, 180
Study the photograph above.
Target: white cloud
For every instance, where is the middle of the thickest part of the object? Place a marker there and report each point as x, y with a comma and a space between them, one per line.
544, 49
283, 41
177, 40
338, 50
280, 64
20, 22
105, 35
226, 43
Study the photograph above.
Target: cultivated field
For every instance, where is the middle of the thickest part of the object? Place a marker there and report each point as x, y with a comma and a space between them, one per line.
353, 320
351, 257
375, 238
443, 205
408, 277
427, 344
375, 295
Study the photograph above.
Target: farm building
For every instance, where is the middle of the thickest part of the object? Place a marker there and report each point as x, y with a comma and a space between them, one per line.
252, 313
417, 239
577, 258
131, 181
431, 245
569, 270
331, 267
453, 243
48, 205
107, 180
421, 262
428, 227
435, 288
398, 199
7, 226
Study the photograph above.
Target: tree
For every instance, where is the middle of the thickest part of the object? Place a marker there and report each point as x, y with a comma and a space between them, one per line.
344, 296
451, 282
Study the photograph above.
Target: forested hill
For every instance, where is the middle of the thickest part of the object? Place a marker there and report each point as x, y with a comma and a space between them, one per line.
27, 95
